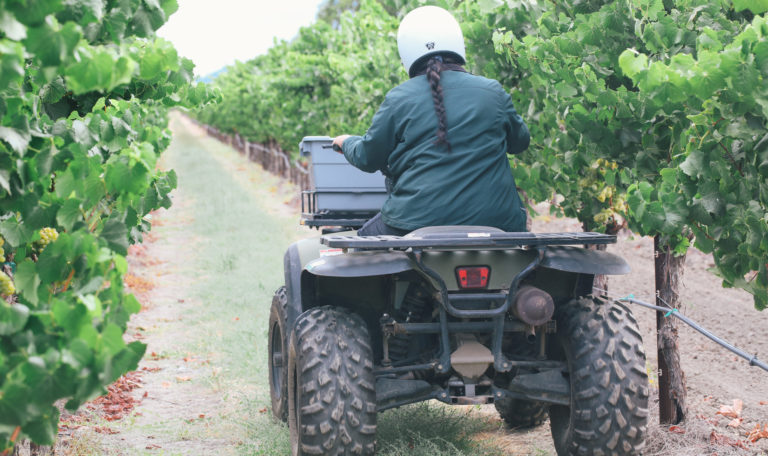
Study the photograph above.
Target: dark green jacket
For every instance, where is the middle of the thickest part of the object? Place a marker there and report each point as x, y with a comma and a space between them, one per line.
470, 185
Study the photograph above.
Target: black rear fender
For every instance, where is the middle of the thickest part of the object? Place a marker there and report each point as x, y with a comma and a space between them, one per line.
292, 268
568, 272
584, 261
360, 280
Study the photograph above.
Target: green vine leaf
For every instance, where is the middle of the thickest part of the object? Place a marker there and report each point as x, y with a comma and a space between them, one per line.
756, 6
12, 318
12, 28
84, 93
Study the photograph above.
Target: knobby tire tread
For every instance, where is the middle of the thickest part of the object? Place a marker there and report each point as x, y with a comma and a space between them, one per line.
609, 383
332, 366
521, 414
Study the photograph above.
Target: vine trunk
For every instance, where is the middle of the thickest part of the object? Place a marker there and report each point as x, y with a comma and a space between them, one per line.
672, 394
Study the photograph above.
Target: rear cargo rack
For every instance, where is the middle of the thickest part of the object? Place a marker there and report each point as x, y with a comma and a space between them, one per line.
447, 240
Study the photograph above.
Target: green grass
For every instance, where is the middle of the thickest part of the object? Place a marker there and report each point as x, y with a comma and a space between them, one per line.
240, 264
238, 267
426, 429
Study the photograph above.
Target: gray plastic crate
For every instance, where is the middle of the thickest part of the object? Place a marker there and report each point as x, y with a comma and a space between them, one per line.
335, 185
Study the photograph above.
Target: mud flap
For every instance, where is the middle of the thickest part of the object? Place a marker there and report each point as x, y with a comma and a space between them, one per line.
546, 386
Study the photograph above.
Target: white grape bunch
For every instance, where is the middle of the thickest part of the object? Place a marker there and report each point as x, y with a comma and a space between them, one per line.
6, 285
47, 235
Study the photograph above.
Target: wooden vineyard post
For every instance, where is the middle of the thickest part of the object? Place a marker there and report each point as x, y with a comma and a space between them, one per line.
669, 273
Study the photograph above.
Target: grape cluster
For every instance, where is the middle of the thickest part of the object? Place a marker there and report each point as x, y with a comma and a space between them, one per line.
47, 235
607, 194
606, 164
2, 251
6, 285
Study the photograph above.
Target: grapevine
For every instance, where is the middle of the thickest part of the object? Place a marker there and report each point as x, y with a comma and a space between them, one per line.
650, 86
627, 101
85, 87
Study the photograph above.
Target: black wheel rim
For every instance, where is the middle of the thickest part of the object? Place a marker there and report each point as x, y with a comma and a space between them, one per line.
276, 360
296, 441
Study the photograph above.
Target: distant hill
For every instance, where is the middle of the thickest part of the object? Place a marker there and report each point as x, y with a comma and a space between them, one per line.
211, 76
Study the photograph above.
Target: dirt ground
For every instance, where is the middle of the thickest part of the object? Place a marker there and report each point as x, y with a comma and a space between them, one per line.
715, 377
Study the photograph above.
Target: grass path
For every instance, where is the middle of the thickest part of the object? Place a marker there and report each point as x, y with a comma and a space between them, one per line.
206, 278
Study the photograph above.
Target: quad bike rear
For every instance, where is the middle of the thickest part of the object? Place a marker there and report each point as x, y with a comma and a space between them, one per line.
463, 315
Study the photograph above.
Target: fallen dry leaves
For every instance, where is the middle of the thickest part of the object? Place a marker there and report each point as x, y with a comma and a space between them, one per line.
115, 405
736, 422
676, 430
732, 411
713, 421
199, 417
138, 285
118, 402
757, 433
719, 439
155, 357
139, 253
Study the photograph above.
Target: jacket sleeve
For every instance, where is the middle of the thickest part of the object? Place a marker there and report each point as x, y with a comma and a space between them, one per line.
518, 137
369, 153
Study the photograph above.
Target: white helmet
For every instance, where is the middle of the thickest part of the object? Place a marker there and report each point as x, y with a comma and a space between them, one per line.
426, 31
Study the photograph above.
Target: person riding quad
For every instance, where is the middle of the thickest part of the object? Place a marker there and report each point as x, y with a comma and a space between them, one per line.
442, 137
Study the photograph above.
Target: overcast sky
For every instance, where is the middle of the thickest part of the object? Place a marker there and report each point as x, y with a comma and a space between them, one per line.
215, 33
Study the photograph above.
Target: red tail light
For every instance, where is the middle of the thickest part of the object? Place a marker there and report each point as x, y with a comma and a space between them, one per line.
473, 276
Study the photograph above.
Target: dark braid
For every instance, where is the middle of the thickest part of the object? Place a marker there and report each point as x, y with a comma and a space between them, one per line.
433, 69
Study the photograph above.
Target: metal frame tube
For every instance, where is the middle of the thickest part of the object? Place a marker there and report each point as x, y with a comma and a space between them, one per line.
500, 363
457, 327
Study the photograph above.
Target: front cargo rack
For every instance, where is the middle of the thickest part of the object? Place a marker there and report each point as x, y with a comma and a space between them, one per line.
313, 216
461, 240
339, 195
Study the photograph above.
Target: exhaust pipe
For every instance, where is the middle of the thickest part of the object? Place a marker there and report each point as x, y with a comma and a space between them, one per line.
533, 306
530, 334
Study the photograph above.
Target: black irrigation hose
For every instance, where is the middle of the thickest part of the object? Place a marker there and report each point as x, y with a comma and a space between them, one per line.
753, 361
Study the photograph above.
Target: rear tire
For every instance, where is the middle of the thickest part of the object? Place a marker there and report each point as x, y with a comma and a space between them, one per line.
521, 414
278, 355
332, 394
603, 348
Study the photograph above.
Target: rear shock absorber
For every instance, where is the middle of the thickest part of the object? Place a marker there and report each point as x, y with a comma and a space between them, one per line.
415, 308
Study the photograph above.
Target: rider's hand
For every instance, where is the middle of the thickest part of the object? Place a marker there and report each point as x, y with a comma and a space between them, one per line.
338, 141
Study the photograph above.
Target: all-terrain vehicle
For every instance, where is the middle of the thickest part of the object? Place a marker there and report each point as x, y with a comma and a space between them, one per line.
460, 314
